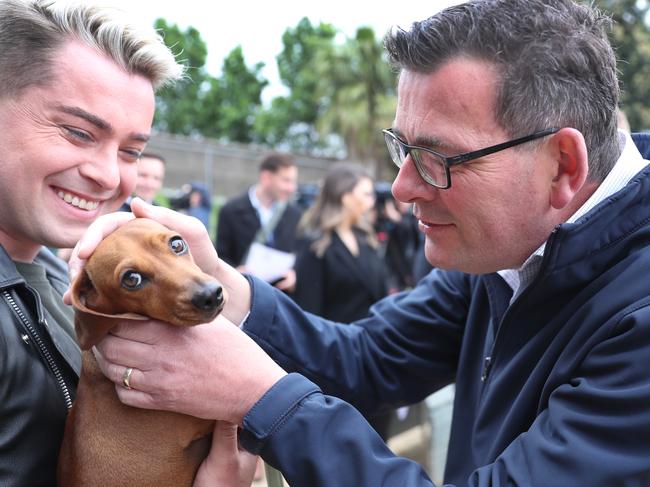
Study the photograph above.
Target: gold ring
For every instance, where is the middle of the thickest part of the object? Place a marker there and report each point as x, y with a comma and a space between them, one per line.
126, 377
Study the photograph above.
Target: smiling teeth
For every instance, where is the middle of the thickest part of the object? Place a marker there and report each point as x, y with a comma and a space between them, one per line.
78, 202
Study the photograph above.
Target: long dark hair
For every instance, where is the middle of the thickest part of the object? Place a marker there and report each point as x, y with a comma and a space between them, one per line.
321, 220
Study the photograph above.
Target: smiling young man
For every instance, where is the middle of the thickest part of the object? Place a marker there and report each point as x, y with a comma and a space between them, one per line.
535, 211
76, 105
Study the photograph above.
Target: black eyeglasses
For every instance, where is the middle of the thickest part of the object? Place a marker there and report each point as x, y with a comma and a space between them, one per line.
433, 167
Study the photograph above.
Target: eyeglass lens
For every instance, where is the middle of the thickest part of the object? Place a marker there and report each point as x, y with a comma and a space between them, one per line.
431, 168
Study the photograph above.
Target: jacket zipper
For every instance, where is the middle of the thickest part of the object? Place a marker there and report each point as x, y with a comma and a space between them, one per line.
488, 361
45, 352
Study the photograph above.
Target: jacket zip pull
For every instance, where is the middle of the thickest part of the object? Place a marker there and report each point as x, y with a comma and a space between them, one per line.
487, 364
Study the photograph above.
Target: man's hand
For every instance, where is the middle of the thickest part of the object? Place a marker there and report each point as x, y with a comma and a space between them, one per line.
211, 371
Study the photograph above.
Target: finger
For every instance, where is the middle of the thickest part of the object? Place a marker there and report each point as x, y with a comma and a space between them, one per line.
97, 231
136, 398
67, 296
190, 228
123, 351
226, 465
224, 439
75, 264
116, 372
169, 218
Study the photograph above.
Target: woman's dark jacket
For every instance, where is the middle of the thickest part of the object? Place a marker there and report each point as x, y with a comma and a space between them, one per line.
339, 286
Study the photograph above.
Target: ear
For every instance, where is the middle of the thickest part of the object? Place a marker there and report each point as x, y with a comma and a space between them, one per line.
90, 328
265, 177
571, 166
82, 290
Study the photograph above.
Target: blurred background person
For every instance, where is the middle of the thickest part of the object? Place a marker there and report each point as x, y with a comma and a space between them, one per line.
195, 200
151, 174
399, 237
263, 214
200, 203
338, 268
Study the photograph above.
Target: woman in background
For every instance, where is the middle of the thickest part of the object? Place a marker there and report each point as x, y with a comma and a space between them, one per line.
339, 272
338, 269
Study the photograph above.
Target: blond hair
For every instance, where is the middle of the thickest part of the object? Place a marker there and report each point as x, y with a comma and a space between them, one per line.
32, 33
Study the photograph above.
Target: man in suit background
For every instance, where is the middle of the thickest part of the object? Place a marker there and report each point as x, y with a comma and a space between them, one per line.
263, 214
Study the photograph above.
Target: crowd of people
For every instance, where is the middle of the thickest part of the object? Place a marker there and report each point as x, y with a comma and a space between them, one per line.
534, 210
268, 213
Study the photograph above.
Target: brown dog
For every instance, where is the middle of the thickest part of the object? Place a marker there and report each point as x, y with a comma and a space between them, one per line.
141, 270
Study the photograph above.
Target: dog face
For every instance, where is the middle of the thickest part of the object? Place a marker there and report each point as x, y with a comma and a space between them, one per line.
143, 269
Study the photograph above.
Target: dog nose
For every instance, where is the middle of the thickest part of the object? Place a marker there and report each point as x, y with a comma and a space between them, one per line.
209, 297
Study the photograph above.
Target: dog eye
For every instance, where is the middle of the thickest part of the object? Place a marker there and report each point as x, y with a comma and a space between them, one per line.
132, 280
178, 245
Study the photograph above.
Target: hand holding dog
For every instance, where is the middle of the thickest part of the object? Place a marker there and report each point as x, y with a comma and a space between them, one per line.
211, 371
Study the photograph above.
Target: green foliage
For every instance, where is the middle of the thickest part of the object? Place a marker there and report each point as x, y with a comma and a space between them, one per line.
358, 87
202, 104
178, 106
631, 39
340, 93
291, 119
236, 98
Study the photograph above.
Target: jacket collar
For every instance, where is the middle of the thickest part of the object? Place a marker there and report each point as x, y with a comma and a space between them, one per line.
629, 165
617, 227
9, 276
55, 268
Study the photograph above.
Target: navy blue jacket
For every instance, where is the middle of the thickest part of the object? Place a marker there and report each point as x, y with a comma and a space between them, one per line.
642, 142
564, 399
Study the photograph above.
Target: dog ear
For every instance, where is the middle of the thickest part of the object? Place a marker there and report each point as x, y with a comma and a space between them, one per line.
82, 290
89, 327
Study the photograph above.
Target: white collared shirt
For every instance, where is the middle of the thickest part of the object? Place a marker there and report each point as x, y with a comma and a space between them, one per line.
264, 213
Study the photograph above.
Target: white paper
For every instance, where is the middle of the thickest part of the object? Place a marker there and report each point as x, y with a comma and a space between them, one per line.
267, 263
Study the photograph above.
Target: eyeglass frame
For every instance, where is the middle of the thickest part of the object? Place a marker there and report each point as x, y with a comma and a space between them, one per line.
460, 158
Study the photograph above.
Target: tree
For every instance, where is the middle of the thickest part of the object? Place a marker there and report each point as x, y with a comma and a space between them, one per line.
358, 87
291, 119
238, 98
178, 106
631, 39
202, 104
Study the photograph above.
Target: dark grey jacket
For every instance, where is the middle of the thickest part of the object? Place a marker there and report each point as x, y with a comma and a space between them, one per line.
39, 366
239, 222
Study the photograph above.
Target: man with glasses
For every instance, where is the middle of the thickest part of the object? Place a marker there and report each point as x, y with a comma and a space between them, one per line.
537, 221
